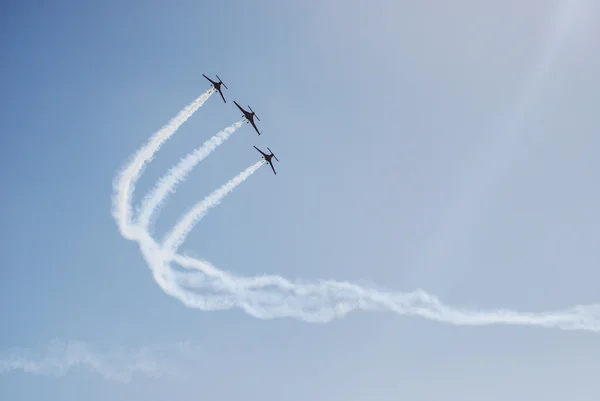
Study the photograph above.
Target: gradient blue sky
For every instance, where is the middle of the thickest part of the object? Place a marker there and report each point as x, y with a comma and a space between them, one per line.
422, 144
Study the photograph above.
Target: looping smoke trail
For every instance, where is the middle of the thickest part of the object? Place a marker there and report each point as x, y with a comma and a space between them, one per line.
125, 182
177, 235
198, 284
204, 287
178, 174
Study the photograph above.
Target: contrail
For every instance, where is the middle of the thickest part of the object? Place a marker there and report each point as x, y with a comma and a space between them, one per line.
198, 284
177, 174
177, 235
269, 297
125, 182
59, 357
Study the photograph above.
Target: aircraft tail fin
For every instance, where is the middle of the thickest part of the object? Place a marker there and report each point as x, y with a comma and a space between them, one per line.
253, 113
222, 83
273, 154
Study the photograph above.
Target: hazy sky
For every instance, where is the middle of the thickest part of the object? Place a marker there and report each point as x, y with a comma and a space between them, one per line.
424, 145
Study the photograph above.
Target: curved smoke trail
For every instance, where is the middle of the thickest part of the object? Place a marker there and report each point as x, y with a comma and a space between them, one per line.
126, 179
178, 174
270, 296
198, 284
177, 235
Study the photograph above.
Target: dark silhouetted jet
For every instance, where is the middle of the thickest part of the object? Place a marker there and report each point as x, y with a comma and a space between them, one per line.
217, 85
268, 157
249, 116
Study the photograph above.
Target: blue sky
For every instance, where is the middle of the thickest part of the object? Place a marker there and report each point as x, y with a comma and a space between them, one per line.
448, 148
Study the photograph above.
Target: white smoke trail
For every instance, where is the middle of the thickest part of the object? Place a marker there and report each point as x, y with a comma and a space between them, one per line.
125, 182
200, 285
269, 297
117, 364
177, 174
177, 235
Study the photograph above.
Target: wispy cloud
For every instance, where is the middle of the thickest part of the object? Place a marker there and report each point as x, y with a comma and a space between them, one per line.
120, 364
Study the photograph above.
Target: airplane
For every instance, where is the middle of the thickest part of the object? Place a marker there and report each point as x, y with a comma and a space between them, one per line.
217, 85
268, 157
249, 116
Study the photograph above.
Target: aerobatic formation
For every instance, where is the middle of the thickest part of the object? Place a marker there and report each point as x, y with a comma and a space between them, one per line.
198, 284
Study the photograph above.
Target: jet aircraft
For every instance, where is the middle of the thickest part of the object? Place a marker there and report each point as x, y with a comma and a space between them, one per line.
268, 157
249, 116
217, 85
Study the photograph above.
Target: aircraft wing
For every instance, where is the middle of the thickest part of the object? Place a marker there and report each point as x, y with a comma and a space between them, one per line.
221, 93
273, 168
240, 107
252, 122
211, 81
261, 152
